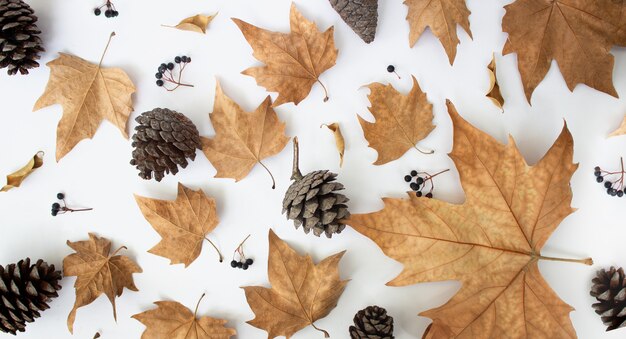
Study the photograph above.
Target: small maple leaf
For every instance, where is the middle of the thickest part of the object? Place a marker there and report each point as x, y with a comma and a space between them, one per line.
401, 121
15, 179
182, 224
88, 94
621, 130
340, 143
442, 16
491, 243
97, 272
171, 320
301, 292
197, 23
494, 93
578, 34
242, 139
293, 61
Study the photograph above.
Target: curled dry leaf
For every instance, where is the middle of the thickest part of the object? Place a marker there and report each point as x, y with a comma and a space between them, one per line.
401, 121
442, 16
621, 130
97, 271
578, 34
491, 243
88, 94
293, 61
242, 139
494, 88
15, 179
301, 292
182, 224
171, 320
197, 23
339, 141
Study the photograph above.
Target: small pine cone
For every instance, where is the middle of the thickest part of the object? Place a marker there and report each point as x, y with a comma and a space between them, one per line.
372, 323
163, 140
609, 288
25, 290
360, 15
20, 44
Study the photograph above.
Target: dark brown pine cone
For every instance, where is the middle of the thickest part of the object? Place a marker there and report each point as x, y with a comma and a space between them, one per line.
360, 15
609, 288
372, 323
20, 45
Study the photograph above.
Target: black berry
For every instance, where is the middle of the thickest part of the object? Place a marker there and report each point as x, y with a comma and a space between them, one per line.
407, 178
97, 11
233, 264
418, 194
249, 261
159, 83
419, 180
56, 206
177, 60
414, 186
244, 266
597, 168
413, 173
170, 66
54, 213
597, 173
60, 196
391, 69
240, 264
599, 179
429, 195
608, 184
183, 58
620, 193
108, 13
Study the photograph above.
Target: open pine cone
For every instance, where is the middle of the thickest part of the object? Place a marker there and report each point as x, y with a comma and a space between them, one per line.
20, 44
312, 200
609, 288
372, 323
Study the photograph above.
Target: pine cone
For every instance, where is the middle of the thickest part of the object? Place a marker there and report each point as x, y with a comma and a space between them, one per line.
360, 15
609, 288
25, 290
313, 202
372, 323
20, 44
163, 140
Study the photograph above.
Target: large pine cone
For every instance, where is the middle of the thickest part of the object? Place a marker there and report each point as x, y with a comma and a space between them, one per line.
25, 290
163, 140
20, 44
360, 15
609, 288
312, 202
372, 323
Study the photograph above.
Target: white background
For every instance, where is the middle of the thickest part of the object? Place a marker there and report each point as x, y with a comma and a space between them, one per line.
96, 173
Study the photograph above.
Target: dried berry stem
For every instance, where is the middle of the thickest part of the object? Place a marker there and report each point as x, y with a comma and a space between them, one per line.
106, 48
586, 261
295, 172
619, 182
239, 248
195, 312
270, 173
178, 82
216, 249
394, 72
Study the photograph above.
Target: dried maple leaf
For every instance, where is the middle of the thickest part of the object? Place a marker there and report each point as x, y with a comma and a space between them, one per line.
15, 179
293, 61
242, 139
197, 23
171, 320
97, 272
442, 16
339, 141
578, 34
182, 224
491, 243
494, 88
401, 121
621, 130
301, 292
88, 94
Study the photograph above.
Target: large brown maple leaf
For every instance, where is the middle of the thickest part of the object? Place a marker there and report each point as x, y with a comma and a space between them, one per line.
293, 61
491, 242
578, 34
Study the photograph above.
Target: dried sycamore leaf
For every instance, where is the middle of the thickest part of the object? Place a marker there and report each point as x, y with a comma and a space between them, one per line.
171, 320
15, 179
197, 23
182, 224
494, 88
97, 272
301, 292
621, 130
442, 16
578, 34
88, 94
491, 243
242, 139
339, 141
401, 121
293, 61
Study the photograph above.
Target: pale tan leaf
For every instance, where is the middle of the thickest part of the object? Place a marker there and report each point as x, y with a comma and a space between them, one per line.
491, 243
182, 224
493, 93
98, 272
621, 130
242, 139
293, 61
197, 23
339, 141
15, 179
401, 121
301, 291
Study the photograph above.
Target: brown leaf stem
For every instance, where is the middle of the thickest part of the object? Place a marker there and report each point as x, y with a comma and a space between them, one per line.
295, 172
216, 249
106, 48
326, 335
424, 152
325, 91
586, 261
195, 312
270, 173
119, 249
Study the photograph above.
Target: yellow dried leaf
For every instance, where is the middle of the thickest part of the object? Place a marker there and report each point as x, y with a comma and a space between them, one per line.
15, 179
493, 93
491, 243
301, 292
339, 141
621, 130
197, 23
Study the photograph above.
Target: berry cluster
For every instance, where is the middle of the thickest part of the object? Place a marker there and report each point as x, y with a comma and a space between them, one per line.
392, 69
58, 209
110, 12
165, 73
243, 262
419, 180
613, 181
